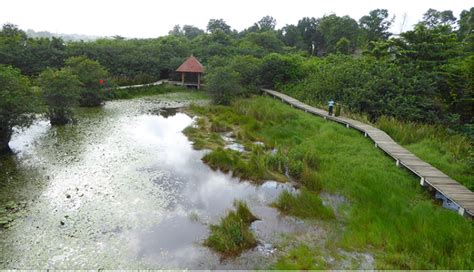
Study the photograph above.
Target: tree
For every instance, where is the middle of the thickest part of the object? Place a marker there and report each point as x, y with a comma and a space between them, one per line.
60, 90
267, 23
176, 31
17, 103
279, 69
248, 68
332, 28
466, 25
224, 85
291, 36
433, 18
30, 55
218, 24
90, 73
268, 41
375, 25
192, 32
308, 29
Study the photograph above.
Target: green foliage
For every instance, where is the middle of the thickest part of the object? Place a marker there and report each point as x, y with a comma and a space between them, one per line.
223, 85
29, 55
332, 29
17, 103
343, 46
90, 73
300, 258
60, 90
305, 205
375, 25
215, 25
365, 85
233, 235
280, 69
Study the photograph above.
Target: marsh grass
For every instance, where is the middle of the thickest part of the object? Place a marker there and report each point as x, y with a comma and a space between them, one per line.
451, 153
233, 234
389, 214
301, 258
306, 204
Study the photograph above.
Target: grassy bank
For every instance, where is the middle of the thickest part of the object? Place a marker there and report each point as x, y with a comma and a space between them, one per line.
233, 235
450, 152
390, 215
152, 90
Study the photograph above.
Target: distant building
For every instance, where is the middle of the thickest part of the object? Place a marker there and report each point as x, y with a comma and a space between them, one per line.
191, 71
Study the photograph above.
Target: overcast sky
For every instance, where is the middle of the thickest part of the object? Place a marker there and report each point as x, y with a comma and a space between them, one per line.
147, 18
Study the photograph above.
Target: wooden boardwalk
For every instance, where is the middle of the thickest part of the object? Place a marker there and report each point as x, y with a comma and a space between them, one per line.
159, 82
455, 193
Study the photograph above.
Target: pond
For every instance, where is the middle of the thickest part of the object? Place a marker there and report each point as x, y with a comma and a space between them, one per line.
123, 188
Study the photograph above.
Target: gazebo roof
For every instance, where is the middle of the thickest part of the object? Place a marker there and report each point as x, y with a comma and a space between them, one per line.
191, 65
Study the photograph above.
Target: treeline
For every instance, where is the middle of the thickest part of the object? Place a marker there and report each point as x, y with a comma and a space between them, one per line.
422, 75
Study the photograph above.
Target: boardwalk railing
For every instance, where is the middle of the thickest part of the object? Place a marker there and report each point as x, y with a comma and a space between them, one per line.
455, 195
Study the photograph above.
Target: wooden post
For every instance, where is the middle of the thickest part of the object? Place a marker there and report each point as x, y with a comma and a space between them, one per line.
199, 81
182, 78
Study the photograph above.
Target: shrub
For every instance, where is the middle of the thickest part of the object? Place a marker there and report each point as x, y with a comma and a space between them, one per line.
60, 89
90, 73
223, 85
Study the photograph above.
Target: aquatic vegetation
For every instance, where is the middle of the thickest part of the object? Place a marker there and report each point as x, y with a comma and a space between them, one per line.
305, 205
233, 234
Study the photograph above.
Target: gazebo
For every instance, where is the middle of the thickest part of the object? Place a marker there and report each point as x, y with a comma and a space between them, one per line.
191, 67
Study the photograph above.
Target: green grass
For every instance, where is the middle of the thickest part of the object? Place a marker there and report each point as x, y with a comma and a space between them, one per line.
301, 258
389, 214
451, 153
233, 235
304, 205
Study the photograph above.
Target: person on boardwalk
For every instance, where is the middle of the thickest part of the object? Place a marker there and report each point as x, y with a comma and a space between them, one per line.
331, 106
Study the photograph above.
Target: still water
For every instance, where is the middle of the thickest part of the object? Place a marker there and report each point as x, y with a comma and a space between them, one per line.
123, 188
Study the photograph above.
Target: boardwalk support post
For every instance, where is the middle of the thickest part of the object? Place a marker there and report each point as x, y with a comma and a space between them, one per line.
461, 211
376, 145
365, 134
397, 163
422, 181
347, 125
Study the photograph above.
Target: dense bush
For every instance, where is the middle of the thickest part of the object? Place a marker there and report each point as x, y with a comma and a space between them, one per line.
61, 89
90, 73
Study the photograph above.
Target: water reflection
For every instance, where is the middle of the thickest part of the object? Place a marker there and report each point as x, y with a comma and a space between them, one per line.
123, 188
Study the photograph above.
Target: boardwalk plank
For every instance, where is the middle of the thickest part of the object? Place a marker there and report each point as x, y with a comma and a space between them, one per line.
440, 181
